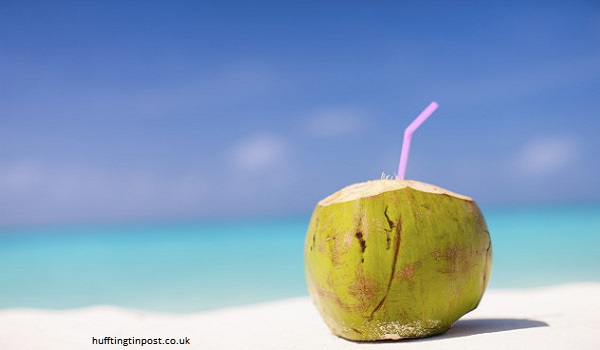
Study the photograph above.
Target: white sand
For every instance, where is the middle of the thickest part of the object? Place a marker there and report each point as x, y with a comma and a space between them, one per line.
563, 317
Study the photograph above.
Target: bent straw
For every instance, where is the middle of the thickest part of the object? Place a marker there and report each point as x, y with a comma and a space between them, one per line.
408, 137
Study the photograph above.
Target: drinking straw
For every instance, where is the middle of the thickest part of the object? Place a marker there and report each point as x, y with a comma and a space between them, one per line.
408, 137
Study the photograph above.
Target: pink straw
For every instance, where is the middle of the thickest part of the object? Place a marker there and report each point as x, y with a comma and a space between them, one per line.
408, 137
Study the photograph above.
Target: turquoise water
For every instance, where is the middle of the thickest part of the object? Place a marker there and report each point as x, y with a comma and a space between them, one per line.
201, 266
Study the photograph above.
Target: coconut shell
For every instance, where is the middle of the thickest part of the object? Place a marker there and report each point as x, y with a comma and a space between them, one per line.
392, 259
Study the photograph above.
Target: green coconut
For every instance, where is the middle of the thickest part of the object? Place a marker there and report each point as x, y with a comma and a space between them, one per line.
394, 259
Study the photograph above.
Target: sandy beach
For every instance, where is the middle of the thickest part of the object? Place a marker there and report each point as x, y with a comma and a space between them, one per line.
559, 317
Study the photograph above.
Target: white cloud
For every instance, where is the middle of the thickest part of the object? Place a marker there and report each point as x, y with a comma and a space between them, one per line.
334, 122
542, 156
38, 192
258, 153
20, 176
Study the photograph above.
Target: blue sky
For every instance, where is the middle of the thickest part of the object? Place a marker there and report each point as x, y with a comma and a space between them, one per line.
151, 110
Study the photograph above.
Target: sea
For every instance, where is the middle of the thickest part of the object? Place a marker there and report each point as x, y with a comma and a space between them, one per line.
204, 265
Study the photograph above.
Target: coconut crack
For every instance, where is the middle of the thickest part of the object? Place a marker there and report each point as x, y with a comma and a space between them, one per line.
398, 229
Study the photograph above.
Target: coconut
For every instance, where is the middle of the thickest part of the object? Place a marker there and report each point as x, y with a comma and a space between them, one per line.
394, 259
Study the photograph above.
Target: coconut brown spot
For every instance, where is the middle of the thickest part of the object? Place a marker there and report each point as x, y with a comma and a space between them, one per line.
408, 271
364, 290
348, 237
456, 259
363, 243
335, 251
387, 218
388, 239
331, 296
427, 208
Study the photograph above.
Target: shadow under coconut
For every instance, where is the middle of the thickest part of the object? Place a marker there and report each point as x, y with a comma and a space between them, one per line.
465, 328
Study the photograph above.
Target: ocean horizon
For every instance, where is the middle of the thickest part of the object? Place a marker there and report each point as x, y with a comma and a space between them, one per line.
197, 266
